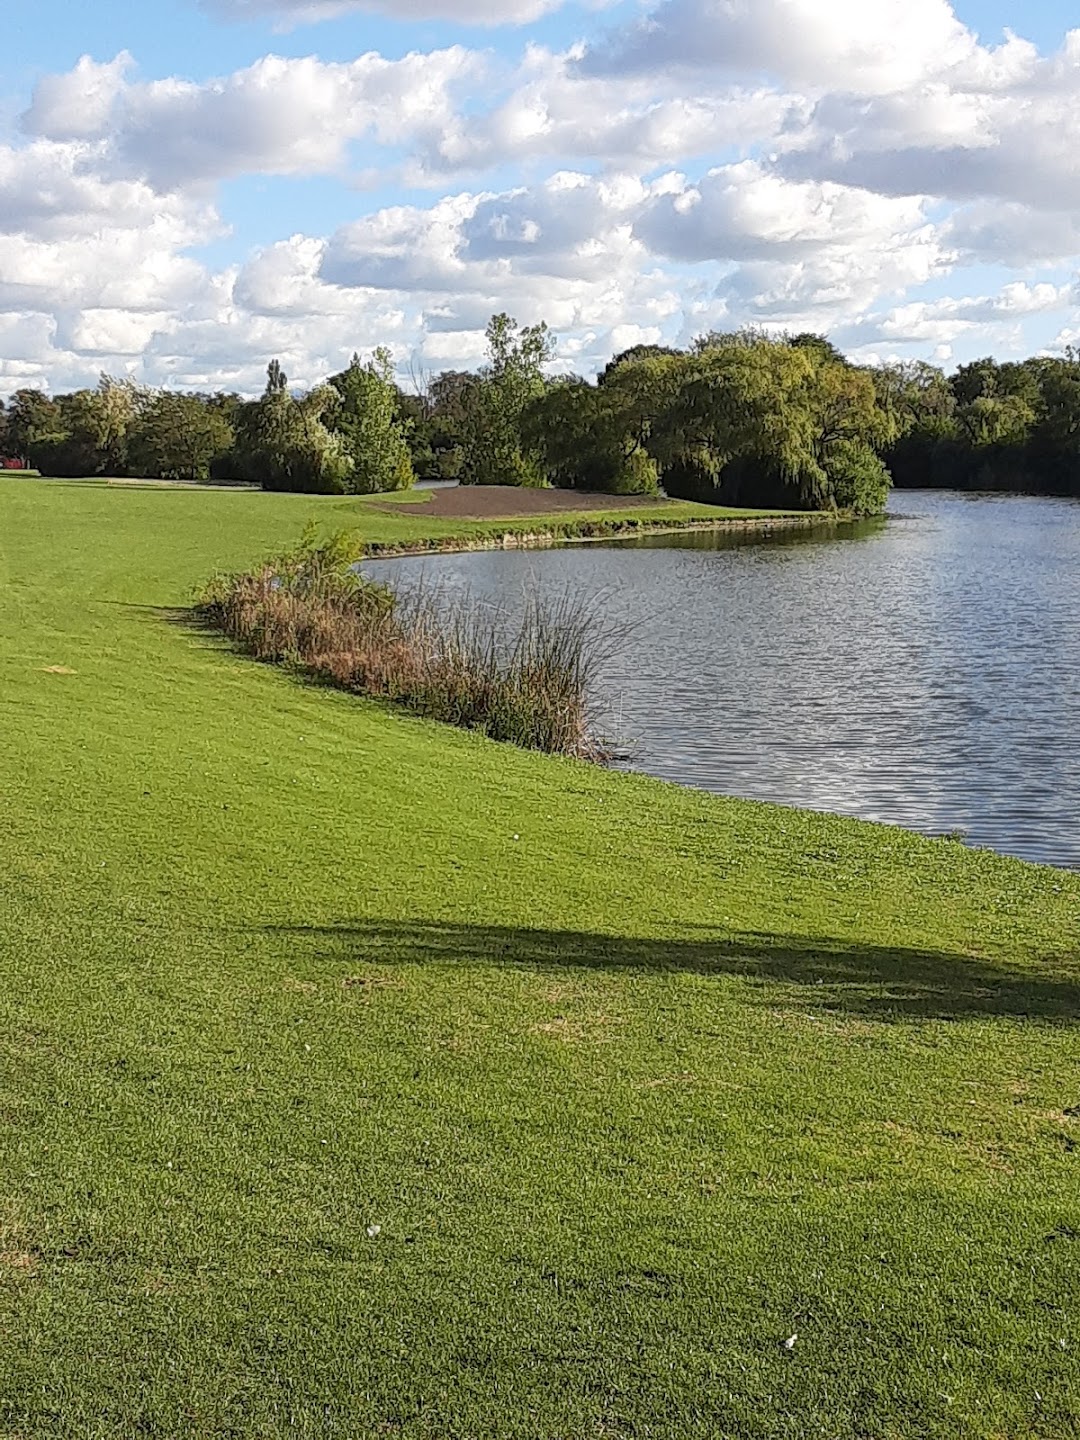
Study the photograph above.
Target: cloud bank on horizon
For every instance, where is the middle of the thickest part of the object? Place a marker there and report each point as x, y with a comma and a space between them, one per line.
874, 169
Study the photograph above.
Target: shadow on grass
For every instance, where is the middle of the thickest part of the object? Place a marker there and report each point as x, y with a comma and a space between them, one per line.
104, 482
188, 619
873, 981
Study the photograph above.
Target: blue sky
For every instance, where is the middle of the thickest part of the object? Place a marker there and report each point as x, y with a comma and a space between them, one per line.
189, 188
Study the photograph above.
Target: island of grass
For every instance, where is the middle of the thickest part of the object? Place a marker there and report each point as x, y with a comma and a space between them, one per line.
362, 1077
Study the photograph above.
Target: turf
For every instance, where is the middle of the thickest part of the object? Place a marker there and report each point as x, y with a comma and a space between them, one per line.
362, 1078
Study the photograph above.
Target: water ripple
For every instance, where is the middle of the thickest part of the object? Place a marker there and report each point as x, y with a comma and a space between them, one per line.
920, 671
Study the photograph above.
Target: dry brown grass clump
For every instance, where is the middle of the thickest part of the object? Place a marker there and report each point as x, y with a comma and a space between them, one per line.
525, 681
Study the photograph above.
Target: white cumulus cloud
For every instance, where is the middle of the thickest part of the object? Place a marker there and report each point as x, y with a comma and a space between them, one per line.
278, 116
550, 108
864, 46
78, 103
849, 165
287, 13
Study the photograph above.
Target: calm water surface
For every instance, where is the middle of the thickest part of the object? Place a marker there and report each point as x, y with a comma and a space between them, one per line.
921, 670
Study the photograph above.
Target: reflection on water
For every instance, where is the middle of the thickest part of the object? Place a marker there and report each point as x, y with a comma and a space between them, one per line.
921, 671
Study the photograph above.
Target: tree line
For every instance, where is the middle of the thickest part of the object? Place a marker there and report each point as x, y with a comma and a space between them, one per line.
988, 426
740, 418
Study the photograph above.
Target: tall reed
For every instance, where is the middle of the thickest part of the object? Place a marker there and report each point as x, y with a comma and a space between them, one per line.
526, 679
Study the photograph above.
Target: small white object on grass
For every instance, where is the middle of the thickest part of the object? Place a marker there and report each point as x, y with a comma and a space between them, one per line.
790, 1344
374, 1231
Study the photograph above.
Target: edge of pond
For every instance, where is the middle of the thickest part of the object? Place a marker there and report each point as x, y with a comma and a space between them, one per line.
592, 531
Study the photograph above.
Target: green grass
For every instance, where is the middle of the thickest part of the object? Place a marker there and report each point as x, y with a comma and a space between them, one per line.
637, 1083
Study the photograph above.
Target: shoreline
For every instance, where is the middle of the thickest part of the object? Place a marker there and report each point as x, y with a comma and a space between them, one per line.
586, 531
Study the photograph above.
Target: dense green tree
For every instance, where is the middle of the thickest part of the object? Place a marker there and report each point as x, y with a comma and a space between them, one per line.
745, 419
1055, 439
446, 409
988, 426
492, 448
590, 438
747, 338
739, 418
821, 345
630, 356
922, 406
413, 414
996, 404
284, 442
367, 418
35, 427
177, 436
918, 397
995, 420
104, 420
851, 431
82, 433
739, 428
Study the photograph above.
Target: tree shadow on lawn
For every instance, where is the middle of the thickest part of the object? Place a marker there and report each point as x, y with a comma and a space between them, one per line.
846, 977
826, 974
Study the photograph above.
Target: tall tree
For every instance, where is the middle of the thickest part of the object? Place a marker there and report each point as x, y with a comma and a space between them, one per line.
367, 419
748, 420
492, 448
106, 417
628, 357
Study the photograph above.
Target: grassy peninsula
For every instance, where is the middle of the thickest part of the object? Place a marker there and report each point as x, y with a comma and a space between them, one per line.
361, 1077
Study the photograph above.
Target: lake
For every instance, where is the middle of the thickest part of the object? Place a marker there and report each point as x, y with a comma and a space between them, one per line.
920, 670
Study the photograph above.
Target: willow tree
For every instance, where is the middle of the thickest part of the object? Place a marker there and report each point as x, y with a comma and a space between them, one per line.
590, 437
745, 419
108, 414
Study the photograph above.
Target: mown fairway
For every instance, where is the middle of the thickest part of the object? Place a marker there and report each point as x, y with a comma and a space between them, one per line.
361, 1078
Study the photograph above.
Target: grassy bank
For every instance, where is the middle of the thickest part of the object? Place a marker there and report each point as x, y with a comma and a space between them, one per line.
676, 517
360, 1077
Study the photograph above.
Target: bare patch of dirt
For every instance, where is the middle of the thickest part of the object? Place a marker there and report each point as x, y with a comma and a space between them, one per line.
19, 1256
560, 992
156, 1282
18, 1260
508, 502
372, 982
591, 1029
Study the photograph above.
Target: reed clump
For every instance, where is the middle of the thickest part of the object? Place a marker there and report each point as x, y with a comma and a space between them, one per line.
526, 679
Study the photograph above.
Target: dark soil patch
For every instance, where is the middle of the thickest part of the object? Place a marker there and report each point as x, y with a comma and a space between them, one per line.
506, 502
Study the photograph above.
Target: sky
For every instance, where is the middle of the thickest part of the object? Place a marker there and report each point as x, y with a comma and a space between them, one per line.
192, 187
